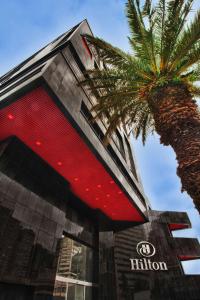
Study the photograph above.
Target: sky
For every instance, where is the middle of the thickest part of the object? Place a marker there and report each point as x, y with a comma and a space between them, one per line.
26, 26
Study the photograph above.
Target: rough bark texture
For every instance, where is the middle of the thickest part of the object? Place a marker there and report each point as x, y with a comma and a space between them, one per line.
177, 121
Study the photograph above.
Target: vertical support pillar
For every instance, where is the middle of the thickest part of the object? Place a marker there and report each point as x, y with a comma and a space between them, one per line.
107, 280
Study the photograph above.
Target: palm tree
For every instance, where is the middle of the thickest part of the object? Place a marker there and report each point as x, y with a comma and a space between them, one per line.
153, 87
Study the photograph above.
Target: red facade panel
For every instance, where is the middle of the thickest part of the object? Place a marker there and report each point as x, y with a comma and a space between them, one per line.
37, 121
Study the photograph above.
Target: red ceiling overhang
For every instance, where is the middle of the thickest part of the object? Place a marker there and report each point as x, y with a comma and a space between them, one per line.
177, 226
187, 257
38, 122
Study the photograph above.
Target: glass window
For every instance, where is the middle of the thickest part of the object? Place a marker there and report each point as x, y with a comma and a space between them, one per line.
75, 260
118, 142
75, 291
93, 124
130, 158
71, 291
74, 280
89, 292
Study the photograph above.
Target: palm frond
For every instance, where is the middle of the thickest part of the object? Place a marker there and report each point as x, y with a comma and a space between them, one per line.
141, 39
189, 38
192, 58
142, 122
160, 26
165, 52
108, 53
172, 19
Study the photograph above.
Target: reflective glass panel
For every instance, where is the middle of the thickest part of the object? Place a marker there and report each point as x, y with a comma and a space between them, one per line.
74, 280
75, 292
75, 260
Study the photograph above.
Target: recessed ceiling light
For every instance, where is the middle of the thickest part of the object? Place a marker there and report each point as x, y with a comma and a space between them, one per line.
38, 143
10, 117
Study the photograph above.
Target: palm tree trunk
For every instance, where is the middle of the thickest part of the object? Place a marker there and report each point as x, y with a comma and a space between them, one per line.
177, 121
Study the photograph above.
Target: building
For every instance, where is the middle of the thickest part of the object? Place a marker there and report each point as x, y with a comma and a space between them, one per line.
72, 211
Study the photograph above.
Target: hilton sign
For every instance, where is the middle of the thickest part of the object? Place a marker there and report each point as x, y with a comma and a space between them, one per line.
147, 250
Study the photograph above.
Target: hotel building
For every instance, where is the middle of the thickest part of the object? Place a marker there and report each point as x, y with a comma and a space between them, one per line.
73, 213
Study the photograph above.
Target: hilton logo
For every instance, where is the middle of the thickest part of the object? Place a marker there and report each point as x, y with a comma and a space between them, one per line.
146, 249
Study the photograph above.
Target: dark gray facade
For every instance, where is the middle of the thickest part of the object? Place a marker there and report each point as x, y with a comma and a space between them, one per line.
153, 281
54, 242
